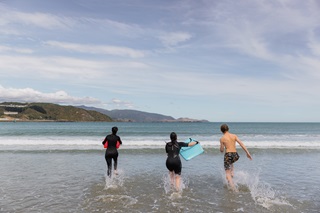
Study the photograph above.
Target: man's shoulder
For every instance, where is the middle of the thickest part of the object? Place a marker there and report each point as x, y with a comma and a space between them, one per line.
227, 138
234, 135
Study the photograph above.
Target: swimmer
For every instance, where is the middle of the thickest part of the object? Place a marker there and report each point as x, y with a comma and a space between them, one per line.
173, 162
228, 144
111, 151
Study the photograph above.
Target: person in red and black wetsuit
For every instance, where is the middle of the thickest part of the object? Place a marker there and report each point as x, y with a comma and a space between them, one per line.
113, 142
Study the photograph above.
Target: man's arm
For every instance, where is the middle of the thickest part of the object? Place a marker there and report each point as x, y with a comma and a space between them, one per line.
221, 146
243, 147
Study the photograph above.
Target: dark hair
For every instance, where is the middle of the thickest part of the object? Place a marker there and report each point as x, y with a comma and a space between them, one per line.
114, 130
224, 128
173, 136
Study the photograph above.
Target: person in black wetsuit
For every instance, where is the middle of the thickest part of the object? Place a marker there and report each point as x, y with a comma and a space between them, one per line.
111, 152
173, 162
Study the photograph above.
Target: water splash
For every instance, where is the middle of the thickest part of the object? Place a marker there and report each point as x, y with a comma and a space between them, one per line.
261, 192
170, 189
175, 195
115, 181
166, 183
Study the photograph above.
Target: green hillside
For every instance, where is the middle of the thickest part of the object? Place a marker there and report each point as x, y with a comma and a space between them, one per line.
48, 112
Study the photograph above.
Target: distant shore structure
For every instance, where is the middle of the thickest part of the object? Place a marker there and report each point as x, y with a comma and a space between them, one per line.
10, 113
13, 105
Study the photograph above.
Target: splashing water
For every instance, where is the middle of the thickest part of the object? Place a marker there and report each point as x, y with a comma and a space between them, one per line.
115, 181
167, 183
261, 192
170, 187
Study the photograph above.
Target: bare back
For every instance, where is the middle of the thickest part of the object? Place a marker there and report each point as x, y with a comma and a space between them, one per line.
228, 141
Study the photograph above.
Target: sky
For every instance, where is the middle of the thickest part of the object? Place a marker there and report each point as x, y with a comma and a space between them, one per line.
219, 60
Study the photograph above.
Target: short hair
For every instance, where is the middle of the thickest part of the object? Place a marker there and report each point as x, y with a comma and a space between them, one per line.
173, 136
224, 128
114, 130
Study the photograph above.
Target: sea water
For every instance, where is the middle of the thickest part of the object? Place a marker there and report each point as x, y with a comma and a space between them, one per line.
60, 167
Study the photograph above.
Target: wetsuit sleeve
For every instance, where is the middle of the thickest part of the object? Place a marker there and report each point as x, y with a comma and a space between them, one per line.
182, 144
166, 148
119, 140
105, 140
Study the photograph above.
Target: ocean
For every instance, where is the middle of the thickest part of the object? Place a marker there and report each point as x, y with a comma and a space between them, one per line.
60, 167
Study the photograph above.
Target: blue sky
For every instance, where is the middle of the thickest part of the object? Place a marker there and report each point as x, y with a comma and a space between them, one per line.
218, 60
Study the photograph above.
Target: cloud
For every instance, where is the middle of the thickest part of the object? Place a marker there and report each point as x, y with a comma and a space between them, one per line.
11, 17
57, 67
4, 49
97, 49
280, 35
121, 28
314, 44
31, 95
172, 39
256, 28
117, 103
15, 22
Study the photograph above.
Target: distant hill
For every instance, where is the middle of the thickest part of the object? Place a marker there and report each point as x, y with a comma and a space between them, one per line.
132, 115
54, 112
139, 116
48, 112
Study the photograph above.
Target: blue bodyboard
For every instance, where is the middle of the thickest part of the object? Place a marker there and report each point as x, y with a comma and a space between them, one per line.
191, 151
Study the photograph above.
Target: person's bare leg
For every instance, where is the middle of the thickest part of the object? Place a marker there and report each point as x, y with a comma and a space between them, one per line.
171, 178
230, 180
178, 178
232, 171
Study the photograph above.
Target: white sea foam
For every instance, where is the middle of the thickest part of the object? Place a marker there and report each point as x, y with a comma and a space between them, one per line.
94, 143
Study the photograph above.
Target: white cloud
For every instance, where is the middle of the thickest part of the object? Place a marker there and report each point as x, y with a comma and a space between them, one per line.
62, 67
128, 30
5, 49
97, 49
117, 103
15, 22
314, 44
172, 39
258, 27
10, 16
31, 95
313, 65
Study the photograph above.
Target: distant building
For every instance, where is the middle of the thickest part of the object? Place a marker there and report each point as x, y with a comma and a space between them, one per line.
11, 113
12, 105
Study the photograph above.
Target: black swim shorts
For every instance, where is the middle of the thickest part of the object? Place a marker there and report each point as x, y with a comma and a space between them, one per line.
229, 159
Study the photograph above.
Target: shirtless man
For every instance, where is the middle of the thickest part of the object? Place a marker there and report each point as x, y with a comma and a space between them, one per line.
228, 142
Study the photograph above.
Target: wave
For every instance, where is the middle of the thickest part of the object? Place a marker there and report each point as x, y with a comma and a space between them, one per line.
94, 143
